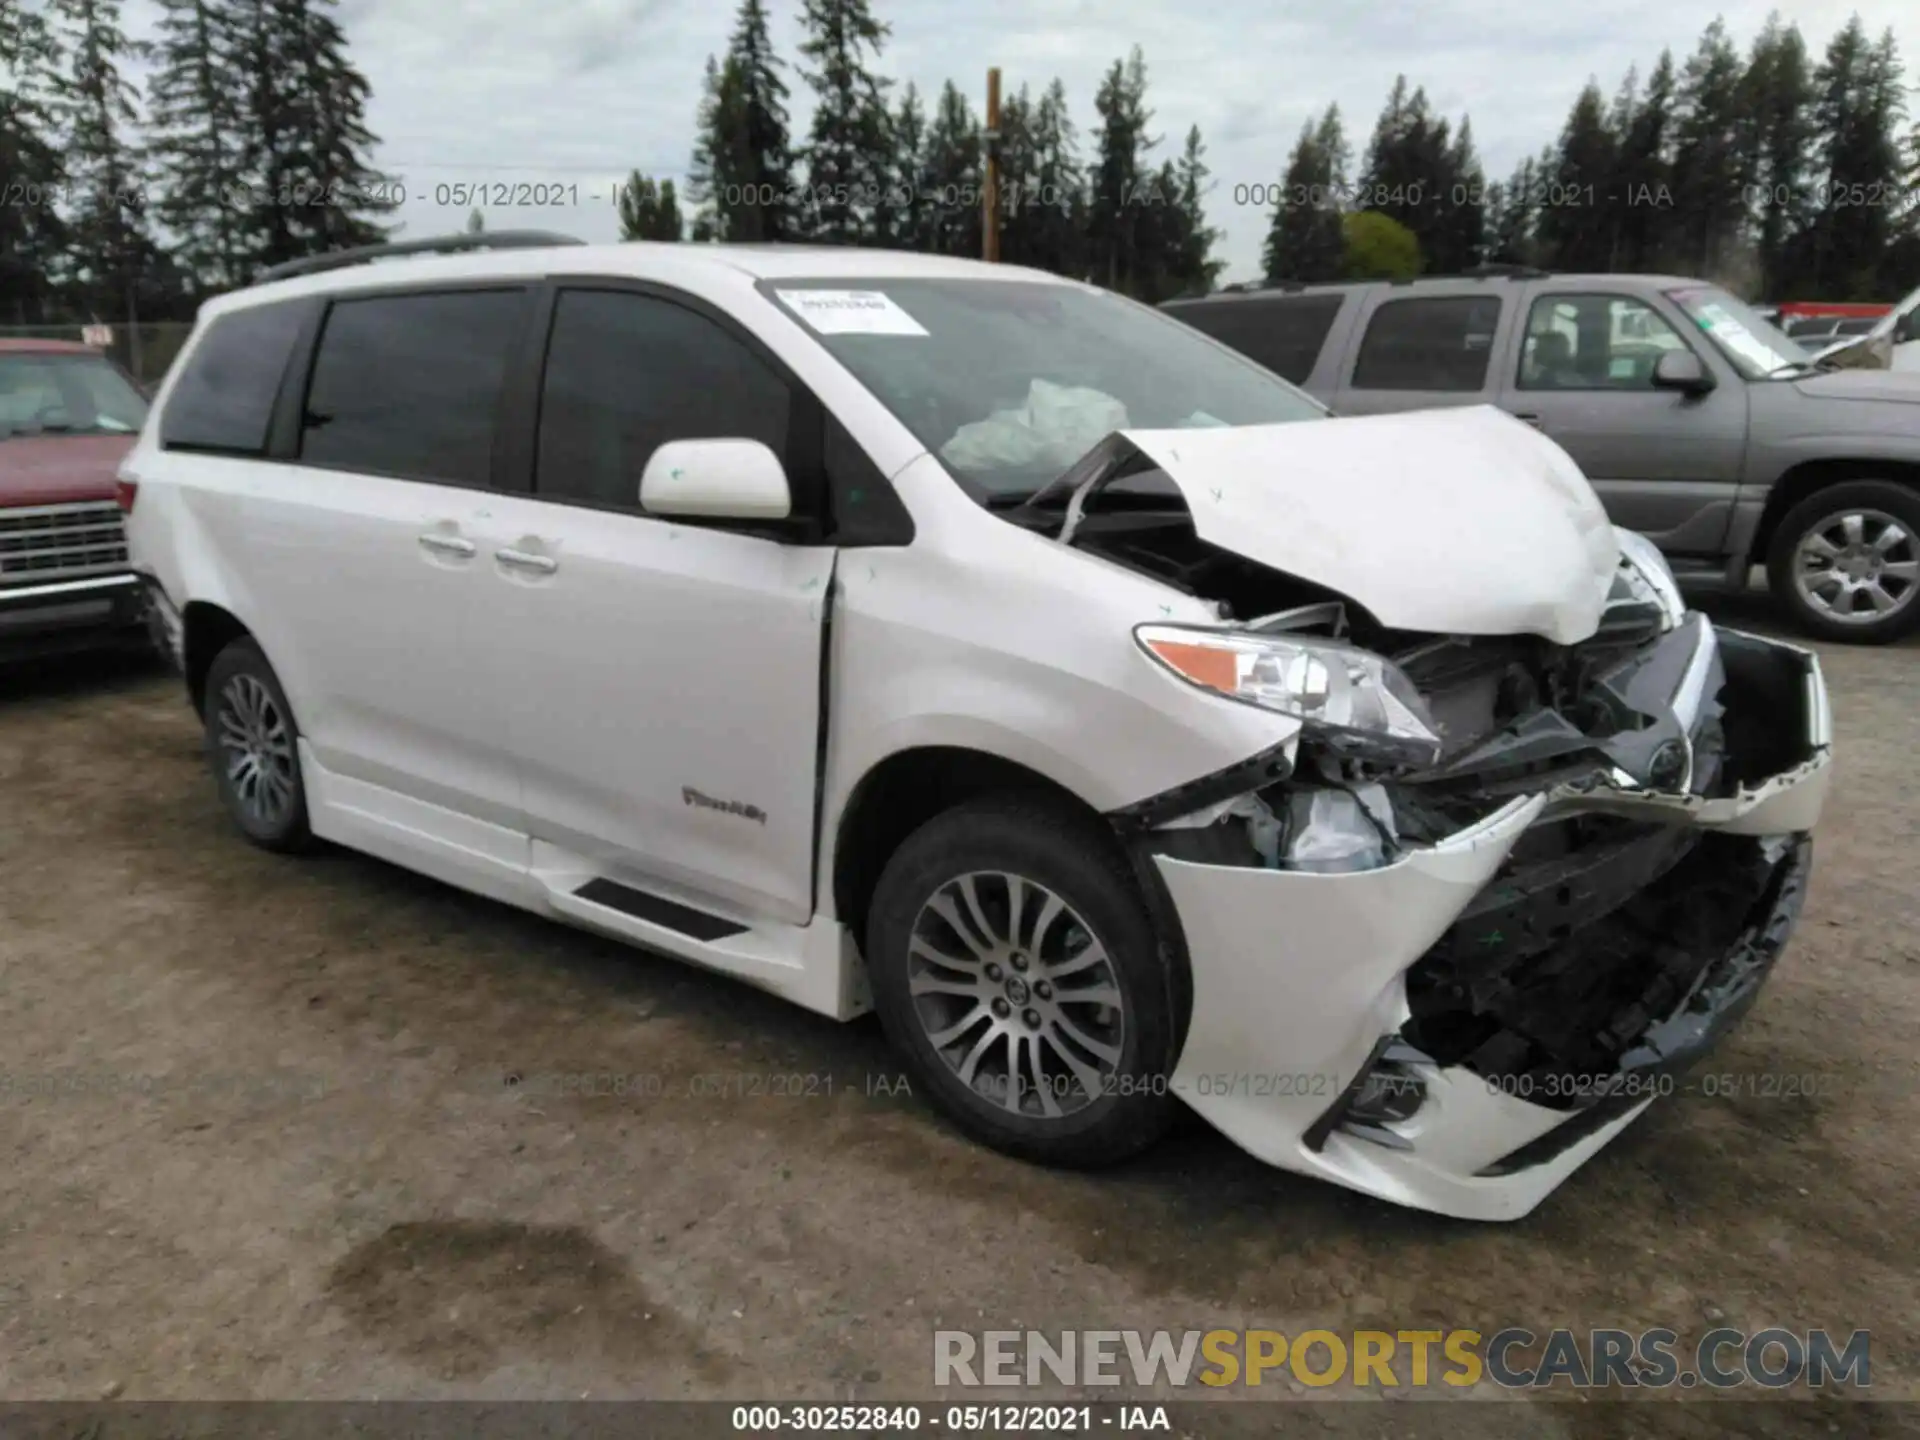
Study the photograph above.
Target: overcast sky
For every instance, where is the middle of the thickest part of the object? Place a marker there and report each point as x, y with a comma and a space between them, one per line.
572, 94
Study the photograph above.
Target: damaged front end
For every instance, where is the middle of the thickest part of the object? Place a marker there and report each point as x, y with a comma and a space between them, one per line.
1447, 970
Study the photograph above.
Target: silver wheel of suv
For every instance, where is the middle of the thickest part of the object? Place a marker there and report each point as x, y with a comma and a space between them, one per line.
1857, 567
1016, 994
256, 745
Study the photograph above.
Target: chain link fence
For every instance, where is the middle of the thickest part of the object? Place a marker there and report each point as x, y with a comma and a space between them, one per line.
143, 351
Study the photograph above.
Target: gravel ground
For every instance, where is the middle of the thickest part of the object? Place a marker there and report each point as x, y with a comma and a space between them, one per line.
326, 1189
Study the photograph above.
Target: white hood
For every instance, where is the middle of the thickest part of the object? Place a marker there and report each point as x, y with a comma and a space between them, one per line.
1459, 521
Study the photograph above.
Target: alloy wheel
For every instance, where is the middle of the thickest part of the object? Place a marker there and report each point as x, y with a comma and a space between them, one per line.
1016, 994
256, 748
1857, 567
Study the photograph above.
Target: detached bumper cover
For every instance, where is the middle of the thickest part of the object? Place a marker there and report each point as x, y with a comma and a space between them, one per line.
1521, 1037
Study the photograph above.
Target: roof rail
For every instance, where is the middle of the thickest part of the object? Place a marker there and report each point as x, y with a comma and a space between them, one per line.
1258, 287
437, 245
1495, 270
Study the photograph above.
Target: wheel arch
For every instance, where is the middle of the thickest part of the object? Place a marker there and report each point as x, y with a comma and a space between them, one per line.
1810, 477
905, 790
206, 630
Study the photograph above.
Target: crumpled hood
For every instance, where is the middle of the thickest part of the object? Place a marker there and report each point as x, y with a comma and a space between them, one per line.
58, 469
1458, 521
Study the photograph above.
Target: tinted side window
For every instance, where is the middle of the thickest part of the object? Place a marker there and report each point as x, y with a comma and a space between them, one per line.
223, 399
1284, 333
409, 385
627, 373
1439, 344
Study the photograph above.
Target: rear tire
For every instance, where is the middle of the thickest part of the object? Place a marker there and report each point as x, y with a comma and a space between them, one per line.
1845, 562
253, 747
1017, 974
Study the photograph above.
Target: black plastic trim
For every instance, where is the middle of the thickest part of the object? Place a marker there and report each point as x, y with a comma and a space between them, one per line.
1254, 773
1671, 1047
1315, 1138
657, 910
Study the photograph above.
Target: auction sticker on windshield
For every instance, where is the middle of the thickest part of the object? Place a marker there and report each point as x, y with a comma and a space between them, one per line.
1736, 337
850, 312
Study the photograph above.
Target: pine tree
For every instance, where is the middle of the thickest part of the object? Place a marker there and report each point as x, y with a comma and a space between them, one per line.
1123, 187
1409, 173
1060, 202
765, 154
1777, 107
907, 221
1708, 177
1573, 227
33, 236
195, 106
706, 175
1195, 268
1458, 233
1513, 214
1304, 240
115, 261
849, 148
305, 137
1645, 172
1857, 114
741, 179
1016, 173
953, 175
649, 210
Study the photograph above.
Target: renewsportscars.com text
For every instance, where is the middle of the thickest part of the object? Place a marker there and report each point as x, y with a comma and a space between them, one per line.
1514, 1358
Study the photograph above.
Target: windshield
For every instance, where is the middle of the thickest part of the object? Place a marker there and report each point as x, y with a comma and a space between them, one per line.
68, 394
1752, 346
1011, 381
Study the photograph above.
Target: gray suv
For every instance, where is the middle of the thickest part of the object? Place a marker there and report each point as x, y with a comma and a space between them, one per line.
1699, 423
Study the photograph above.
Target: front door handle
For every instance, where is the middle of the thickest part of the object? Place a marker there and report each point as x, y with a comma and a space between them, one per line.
526, 560
443, 544
1533, 420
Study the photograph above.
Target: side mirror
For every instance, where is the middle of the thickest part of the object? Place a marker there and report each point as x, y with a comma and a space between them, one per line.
1681, 370
1907, 327
727, 479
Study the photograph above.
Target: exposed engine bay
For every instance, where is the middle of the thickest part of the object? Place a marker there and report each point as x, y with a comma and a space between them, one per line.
1613, 913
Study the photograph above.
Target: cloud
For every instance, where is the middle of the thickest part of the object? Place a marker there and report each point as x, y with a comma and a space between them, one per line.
573, 93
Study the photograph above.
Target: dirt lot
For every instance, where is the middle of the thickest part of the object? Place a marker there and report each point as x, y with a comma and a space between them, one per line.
328, 1190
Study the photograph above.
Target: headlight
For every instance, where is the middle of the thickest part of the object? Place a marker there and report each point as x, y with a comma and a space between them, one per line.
1651, 569
1359, 702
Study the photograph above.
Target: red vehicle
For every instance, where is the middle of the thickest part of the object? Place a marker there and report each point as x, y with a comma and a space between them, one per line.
68, 415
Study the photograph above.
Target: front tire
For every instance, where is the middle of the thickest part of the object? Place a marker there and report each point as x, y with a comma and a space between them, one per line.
253, 747
1846, 562
1016, 972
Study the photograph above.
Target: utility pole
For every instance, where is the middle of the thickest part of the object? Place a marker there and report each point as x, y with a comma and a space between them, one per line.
990, 197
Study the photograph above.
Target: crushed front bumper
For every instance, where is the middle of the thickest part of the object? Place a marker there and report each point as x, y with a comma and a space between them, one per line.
1343, 1025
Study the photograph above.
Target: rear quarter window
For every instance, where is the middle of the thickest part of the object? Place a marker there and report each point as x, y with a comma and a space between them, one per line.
223, 398
1282, 333
1285, 335
1439, 344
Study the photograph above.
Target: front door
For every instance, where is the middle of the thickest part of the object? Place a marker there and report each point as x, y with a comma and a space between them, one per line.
1664, 463
665, 695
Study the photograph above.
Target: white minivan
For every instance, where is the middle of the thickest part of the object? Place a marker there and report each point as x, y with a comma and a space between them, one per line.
982, 648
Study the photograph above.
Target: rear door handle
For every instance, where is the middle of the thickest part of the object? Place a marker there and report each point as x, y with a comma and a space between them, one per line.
526, 560
1533, 420
443, 544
